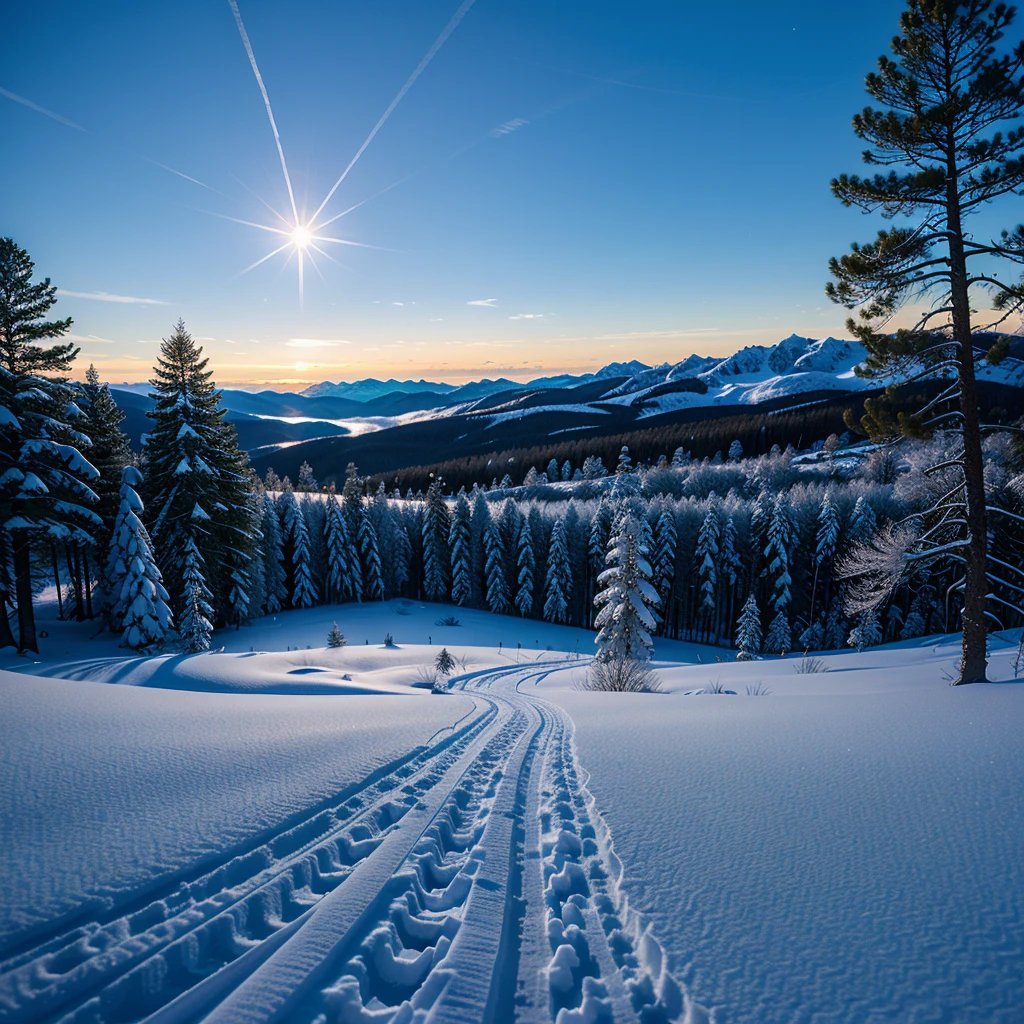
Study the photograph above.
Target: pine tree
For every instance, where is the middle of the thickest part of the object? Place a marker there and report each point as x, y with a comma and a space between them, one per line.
705, 556
915, 623
625, 621
459, 542
338, 584
835, 626
436, 555
302, 592
194, 625
949, 84
497, 581
558, 583
552, 471
197, 478
566, 470
479, 524
748, 630
373, 583
862, 522
445, 663
137, 606
273, 558
735, 451
666, 539
826, 540
109, 453
777, 553
867, 632
779, 639
730, 565
524, 569
45, 491
335, 638
306, 481
625, 464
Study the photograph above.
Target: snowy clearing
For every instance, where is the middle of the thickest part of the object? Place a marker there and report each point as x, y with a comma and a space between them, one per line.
306, 847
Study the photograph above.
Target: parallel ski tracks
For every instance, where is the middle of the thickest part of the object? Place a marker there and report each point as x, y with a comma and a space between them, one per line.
475, 881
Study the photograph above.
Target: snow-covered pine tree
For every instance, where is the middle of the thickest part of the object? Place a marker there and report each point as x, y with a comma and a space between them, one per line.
567, 470
915, 623
478, 525
729, 569
893, 622
194, 625
338, 584
863, 522
679, 458
137, 607
705, 556
780, 638
273, 558
558, 583
459, 542
552, 471
748, 630
335, 638
401, 551
625, 463
302, 591
625, 619
436, 555
373, 582
593, 468
497, 581
867, 632
524, 568
826, 541
193, 461
735, 451
835, 626
45, 492
777, 555
306, 481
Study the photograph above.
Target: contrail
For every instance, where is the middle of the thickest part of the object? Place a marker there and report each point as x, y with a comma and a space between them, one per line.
266, 100
438, 43
41, 110
180, 174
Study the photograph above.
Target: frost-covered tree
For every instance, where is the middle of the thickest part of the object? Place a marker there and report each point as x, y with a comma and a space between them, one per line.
705, 556
335, 638
625, 463
863, 522
730, 565
916, 623
369, 554
344, 579
777, 553
497, 580
867, 632
45, 480
302, 592
444, 663
197, 479
735, 451
138, 603
558, 582
194, 625
459, 542
524, 569
625, 621
780, 638
748, 630
566, 470
275, 580
436, 555
666, 539
552, 471
593, 468
480, 521
835, 626
306, 481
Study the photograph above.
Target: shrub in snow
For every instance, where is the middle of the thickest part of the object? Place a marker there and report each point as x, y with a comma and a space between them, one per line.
444, 663
389, 640
625, 621
139, 603
448, 620
758, 690
810, 666
621, 675
335, 638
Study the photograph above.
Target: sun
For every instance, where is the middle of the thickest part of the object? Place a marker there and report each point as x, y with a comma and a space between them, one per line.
301, 236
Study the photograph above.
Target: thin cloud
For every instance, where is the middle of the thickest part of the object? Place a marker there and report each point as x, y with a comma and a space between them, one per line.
130, 300
40, 110
482, 302
508, 127
92, 338
397, 303
437, 319
315, 342
528, 316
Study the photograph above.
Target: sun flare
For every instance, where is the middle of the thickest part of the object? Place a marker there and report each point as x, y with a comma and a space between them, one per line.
301, 236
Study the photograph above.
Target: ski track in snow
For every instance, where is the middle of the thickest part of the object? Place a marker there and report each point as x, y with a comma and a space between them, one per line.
474, 880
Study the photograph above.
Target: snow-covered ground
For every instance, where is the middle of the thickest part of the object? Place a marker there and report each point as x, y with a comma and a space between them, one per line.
280, 829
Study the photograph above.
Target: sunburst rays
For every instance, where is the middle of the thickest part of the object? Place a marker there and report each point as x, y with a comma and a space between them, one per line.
300, 234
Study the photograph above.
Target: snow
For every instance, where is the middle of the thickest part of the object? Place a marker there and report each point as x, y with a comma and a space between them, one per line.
108, 789
844, 848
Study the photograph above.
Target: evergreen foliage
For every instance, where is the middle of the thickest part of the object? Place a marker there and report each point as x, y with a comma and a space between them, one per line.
558, 584
459, 541
335, 638
748, 631
275, 583
436, 556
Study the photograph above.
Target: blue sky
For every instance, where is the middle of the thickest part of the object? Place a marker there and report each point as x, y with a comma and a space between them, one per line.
583, 182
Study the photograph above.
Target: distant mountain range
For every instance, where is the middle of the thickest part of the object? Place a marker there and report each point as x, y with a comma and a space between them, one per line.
391, 424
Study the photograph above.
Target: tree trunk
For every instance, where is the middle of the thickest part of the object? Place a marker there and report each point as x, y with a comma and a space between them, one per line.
56, 580
972, 659
23, 589
88, 583
6, 636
